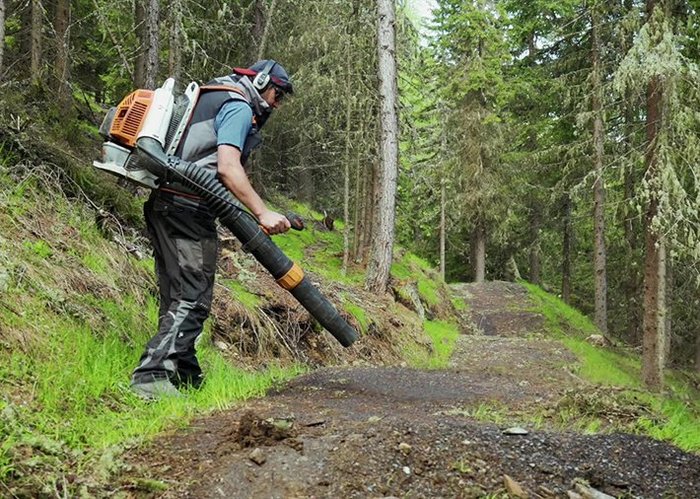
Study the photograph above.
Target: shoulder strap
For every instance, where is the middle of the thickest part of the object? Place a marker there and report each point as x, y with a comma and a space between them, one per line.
225, 88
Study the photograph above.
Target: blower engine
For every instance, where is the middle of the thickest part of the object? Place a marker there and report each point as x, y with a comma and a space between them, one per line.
143, 133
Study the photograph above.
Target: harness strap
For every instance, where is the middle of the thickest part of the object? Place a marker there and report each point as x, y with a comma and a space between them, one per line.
227, 88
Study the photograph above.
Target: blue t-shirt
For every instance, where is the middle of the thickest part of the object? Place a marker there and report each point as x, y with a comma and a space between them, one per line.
232, 124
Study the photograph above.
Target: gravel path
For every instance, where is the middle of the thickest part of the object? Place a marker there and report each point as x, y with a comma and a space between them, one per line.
399, 432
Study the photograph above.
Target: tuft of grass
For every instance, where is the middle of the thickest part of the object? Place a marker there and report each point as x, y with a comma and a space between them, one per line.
487, 413
443, 336
559, 315
81, 386
359, 314
428, 291
96, 263
39, 248
604, 367
246, 298
680, 424
460, 304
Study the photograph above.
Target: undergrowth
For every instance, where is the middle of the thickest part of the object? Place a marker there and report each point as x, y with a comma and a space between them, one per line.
75, 313
620, 403
443, 336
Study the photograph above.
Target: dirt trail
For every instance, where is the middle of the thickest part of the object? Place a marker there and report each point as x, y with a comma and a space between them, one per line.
399, 432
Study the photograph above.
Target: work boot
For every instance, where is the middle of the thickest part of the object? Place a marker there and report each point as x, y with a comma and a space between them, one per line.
152, 390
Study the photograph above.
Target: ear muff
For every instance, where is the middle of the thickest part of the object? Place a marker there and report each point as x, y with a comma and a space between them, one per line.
262, 79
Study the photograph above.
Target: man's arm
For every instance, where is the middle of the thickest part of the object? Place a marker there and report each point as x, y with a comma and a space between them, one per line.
233, 176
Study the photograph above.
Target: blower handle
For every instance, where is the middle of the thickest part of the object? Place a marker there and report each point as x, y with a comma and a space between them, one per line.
295, 221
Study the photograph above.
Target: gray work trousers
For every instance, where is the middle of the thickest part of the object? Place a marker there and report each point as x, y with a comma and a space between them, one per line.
184, 241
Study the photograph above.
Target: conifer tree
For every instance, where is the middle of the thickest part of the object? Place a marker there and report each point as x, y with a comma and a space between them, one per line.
385, 202
2, 33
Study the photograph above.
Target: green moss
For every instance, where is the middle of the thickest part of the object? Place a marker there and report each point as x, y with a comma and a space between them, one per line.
400, 269
418, 262
443, 336
295, 244
604, 367
358, 313
39, 248
559, 314
460, 304
246, 298
330, 266
428, 291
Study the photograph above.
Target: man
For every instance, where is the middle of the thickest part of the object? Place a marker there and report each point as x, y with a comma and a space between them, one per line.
223, 131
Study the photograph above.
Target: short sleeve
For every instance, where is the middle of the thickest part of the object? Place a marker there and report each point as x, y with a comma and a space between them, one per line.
232, 124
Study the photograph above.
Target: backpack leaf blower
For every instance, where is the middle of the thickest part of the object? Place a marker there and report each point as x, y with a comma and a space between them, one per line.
142, 135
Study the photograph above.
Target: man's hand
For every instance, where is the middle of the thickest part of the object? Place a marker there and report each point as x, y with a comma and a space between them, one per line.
273, 222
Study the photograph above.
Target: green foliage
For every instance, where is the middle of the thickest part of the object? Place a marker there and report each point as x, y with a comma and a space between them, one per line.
674, 417
443, 336
245, 297
428, 291
459, 304
39, 248
358, 313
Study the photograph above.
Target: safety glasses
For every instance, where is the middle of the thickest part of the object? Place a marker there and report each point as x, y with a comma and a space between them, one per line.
279, 94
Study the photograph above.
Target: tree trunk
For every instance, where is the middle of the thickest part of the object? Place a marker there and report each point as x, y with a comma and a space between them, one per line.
697, 352
535, 256
653, 343
346, 173
117, 44
141, 30
262, 41
632, 279
655, 252
61, 66
599, 254
306, 185
152, 44
364, 208
668, 290
36, 41
258, 27
175, 49
443, 228
383, 233
566, 251
2, 33
479, 252
357, 219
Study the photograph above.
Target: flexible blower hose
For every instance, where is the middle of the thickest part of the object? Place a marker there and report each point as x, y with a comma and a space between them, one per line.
246, 229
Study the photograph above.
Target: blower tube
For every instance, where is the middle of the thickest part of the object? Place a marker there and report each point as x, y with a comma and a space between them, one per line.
244, 226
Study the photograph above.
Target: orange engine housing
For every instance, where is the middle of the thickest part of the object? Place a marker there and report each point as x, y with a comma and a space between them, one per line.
130, 115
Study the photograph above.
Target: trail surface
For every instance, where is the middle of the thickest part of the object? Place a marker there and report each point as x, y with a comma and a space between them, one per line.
400, 432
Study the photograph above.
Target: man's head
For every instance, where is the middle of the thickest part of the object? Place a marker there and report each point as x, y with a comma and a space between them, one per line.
270, 79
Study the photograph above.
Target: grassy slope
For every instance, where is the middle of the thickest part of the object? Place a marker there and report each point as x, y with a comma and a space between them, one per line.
619, 402
76, 309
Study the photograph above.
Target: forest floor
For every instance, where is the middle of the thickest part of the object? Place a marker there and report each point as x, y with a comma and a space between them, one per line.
401, 432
